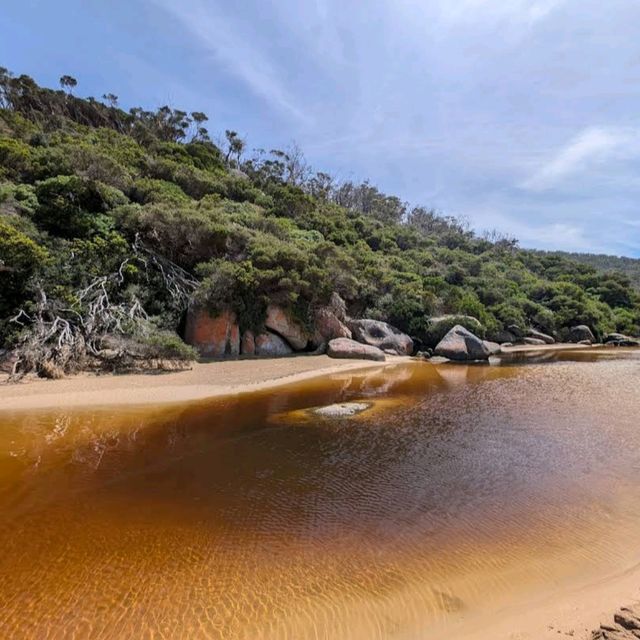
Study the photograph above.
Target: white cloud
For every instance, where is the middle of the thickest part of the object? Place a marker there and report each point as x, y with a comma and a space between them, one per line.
593, 146
235, 49
516, 11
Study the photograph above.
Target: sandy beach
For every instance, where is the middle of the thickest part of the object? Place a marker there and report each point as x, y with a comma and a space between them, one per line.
202, 380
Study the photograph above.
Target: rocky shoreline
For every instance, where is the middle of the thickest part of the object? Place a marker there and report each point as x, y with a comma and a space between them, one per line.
332, 331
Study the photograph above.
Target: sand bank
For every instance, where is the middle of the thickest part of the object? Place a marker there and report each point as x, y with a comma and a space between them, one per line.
203, 380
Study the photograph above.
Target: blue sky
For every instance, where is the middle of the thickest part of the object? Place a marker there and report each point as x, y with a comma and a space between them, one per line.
520, 115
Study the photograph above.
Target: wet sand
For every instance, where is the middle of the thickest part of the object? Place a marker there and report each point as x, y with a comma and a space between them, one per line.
202, 380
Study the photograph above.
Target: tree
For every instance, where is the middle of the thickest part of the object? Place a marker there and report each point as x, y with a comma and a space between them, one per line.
235, 146
201, 132
68, 82
111, 99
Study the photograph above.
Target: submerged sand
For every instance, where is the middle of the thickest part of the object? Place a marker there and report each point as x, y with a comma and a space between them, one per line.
562, 612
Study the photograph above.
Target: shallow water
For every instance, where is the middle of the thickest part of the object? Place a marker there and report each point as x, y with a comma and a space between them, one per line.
461, 488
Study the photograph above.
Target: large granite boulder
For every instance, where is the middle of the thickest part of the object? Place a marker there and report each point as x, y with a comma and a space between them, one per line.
328, 326
462, 345
281, 322
213, 336
581, 333
270, 345
439, 326
350, 349
382, 335
535, 342
538, 335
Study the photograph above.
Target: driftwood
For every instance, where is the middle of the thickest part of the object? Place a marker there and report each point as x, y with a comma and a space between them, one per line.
102, 327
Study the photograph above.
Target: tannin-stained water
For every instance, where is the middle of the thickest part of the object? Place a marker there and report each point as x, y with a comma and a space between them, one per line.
461, 488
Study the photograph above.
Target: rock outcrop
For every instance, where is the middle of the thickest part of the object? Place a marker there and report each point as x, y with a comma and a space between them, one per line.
248, 344
538, 335
625, 626
581, 332
350, 349
382, 335
280, 322
461, 345
271, 345
533, 341
213, 336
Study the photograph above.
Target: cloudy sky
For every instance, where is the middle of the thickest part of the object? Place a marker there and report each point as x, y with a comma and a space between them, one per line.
520, 115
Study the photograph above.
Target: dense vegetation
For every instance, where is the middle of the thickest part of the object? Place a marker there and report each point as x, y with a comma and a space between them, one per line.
111, 222
609, 264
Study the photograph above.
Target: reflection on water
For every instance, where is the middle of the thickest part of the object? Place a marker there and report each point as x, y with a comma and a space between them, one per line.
460, 488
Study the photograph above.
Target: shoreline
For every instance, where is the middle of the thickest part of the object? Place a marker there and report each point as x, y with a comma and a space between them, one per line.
202, 381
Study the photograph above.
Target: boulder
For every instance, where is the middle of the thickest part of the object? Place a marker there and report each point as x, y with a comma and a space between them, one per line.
270, 345
516, 330
620, 340
338, 307
213, 336
382, 335
248, 344
328, 326
439, 326
494, 347
350, 349
503, 336
533, 341
581, 332
538, 335
462, 345
279, 321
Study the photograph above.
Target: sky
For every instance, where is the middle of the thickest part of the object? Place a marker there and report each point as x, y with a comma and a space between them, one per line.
518, 115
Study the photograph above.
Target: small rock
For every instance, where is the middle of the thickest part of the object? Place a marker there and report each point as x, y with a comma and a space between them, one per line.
533, 333
341, 410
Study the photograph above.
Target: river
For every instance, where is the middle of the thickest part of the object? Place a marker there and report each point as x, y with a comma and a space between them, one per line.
461, 490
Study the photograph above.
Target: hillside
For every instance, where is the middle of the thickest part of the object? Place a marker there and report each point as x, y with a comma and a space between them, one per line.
630, 267
112, 223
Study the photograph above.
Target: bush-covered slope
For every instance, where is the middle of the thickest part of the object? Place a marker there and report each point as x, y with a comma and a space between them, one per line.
111, 222
608, 264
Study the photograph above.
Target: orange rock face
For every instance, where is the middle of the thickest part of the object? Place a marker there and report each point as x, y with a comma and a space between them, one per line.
279, 321
213, 337
248, 344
